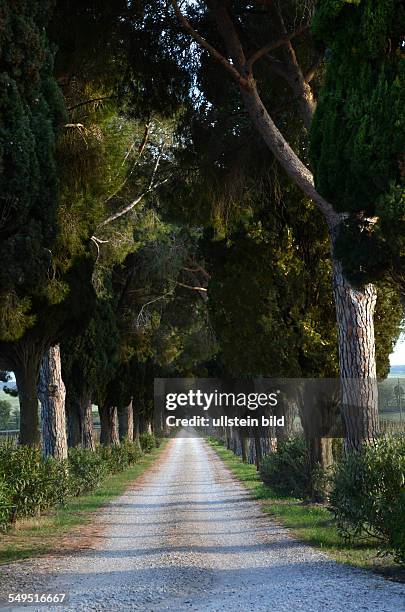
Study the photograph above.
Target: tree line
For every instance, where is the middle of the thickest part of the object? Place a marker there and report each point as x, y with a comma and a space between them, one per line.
213, 189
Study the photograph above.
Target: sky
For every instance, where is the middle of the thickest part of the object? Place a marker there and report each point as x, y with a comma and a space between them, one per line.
398, 356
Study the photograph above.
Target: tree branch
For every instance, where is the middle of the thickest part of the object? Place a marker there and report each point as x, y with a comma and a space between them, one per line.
235, 74
311, 72
132, 205
273, 45
70, 108
265, 125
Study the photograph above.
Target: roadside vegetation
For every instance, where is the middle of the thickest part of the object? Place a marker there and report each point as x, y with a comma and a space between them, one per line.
360, 520
202, 190
46, 509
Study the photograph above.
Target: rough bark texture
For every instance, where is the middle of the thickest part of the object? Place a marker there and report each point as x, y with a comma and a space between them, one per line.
320, 452
109, 425
126, 422
52, 393
86, 420
355, 319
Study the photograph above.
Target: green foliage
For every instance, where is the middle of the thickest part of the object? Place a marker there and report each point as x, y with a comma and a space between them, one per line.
31, 484
357, 133
287, 470
270, 302
34, 484
87, 470
5, 503
368, 494
147, 442
31, 110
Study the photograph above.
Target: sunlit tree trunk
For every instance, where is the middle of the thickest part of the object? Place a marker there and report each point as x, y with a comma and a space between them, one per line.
52, 393
86, 423
355, 321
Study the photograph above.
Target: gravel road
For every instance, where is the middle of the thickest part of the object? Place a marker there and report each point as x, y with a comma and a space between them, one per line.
188, 537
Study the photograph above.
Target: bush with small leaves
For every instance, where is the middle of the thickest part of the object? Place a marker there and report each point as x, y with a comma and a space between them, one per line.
368, 494
287, 470
5, 504
87, 470
34, 484
147, 442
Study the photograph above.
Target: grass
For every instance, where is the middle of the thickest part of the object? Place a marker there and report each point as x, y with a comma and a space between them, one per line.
312, 523
39, 536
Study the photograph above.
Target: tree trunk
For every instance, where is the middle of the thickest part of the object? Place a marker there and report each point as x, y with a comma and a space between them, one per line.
109, 425
355, 320
73, 422
26, 376
80, 421
320, 452
126, 422
52, 393
136, 426
86, 423
244, 441
258, 447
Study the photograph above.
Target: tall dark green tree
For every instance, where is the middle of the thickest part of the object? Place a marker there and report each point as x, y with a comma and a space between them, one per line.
32, 111
357, 153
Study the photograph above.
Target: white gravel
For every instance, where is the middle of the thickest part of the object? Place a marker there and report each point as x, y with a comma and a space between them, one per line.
188, 537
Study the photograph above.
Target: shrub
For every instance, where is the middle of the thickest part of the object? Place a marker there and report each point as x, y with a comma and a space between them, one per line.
34, 484
368, 494
5, 504
133, 451
120, 457
147, 442
30, 484
287, 470
87, 470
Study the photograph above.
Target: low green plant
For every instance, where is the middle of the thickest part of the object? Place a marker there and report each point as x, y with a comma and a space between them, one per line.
34, 484
368, 495
287, 470
5, 504
31, 484
147, 442
87, 470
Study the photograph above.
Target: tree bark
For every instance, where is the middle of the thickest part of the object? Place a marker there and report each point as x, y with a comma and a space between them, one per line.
136, 429
80, 421
244, 442
52, 393
355, 321
258, 447
109, 425
126, 422
86, 423
26, 375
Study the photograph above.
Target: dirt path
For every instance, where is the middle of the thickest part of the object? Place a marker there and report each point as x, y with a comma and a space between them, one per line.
188, 537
